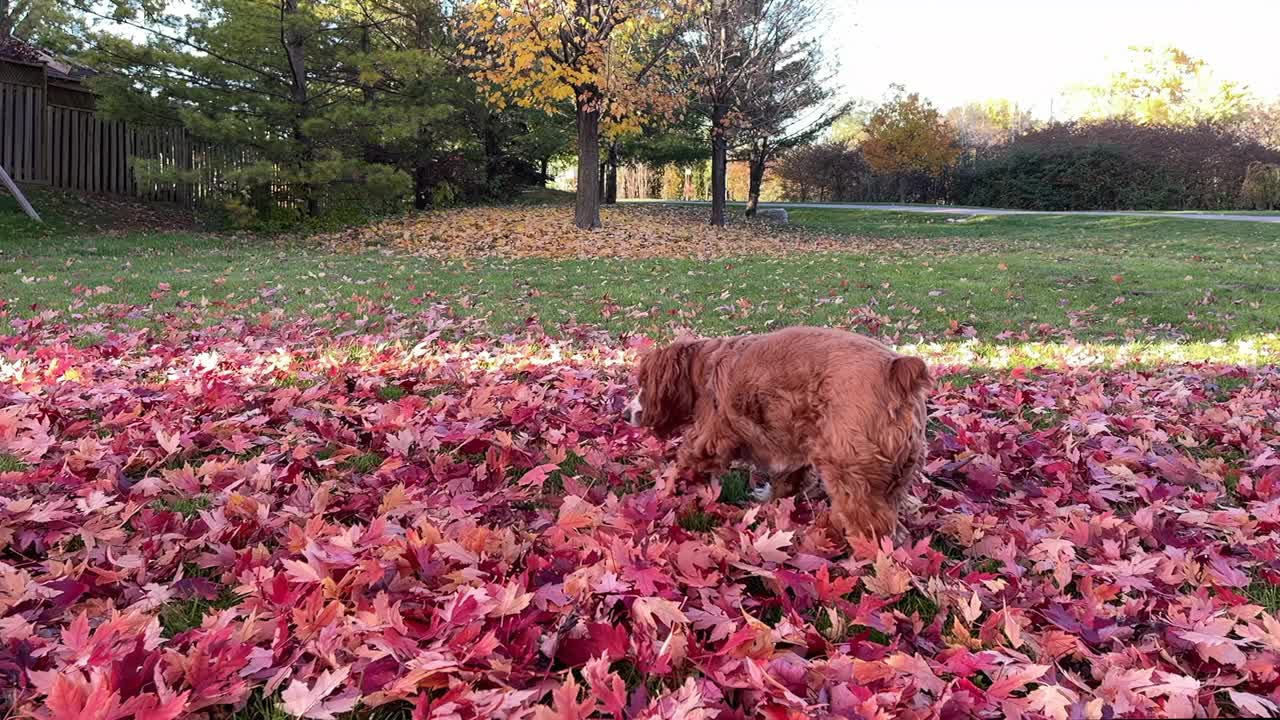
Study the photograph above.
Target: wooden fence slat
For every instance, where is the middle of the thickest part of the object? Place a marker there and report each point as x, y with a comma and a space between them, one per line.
52, 156
73, 151
14, 152
92, 157
117, 186
48, 147
122, 158
95, 154
106, 170
68, 156
134, 189
14, 149
8, 95
68, 150
64, 154
10, 116
42, 139
61, 153
86, 165
24, 148
77, 151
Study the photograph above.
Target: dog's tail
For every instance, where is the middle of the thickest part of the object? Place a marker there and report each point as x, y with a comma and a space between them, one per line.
910, 376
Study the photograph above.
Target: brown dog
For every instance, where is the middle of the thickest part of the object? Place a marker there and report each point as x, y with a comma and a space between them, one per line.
793, 400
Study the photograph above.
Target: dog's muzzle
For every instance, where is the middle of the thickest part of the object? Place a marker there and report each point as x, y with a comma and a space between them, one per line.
634, 411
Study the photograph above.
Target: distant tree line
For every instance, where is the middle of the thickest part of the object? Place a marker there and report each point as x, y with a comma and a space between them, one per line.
376, 104
371, 104
1162, 135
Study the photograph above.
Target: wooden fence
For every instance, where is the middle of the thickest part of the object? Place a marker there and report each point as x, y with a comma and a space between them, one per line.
22, 121
49, 134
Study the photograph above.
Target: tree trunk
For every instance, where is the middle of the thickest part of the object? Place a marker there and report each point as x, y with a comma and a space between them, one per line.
421, 191
294, 44
371, 151
8, 18
545, 177
611, 175
755, 177
492, 153
719, 163
902, 189
586, 210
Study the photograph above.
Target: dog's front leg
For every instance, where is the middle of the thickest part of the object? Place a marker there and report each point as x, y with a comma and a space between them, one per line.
707, 450
782, 485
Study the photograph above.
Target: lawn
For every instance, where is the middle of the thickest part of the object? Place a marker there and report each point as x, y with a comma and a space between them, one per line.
910, 278
383, 473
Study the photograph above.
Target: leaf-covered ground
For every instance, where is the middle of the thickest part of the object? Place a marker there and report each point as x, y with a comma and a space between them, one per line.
272, 516
630, 232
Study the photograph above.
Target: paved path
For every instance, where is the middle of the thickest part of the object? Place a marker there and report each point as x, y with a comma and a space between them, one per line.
967, 211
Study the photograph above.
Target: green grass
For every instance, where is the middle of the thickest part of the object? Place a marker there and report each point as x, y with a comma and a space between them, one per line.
15, 224
179, 616
364, 463
88, 340
822, 622
261, 707
188, 507
735, 487
391, 393
1107, 279
699, 521
915, 602
554, 484
9, 463
1061, 230
1265, 594
1227, 386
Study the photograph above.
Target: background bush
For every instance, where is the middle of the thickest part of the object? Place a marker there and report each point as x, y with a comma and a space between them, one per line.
1114, 165
1262, 186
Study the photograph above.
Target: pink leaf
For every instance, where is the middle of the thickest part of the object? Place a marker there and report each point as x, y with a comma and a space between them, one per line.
770, 545
310, 702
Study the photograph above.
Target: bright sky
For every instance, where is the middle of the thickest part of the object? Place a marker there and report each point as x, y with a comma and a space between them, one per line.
1031, 51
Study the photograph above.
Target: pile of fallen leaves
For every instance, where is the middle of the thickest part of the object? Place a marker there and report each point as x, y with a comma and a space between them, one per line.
199, 519
548, 231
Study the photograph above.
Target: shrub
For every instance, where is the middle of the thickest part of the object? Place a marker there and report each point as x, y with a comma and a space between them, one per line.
1115, 165
826, 172
1095, 178
1262, 186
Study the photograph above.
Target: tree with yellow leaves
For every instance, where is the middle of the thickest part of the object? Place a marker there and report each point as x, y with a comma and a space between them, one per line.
906, 134
609, 57
1167, 86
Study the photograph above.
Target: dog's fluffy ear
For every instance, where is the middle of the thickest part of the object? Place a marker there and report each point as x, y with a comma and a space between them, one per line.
666, 378
910, 376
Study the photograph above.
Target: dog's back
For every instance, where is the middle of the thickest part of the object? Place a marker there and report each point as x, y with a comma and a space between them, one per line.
845, 404
798, 381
